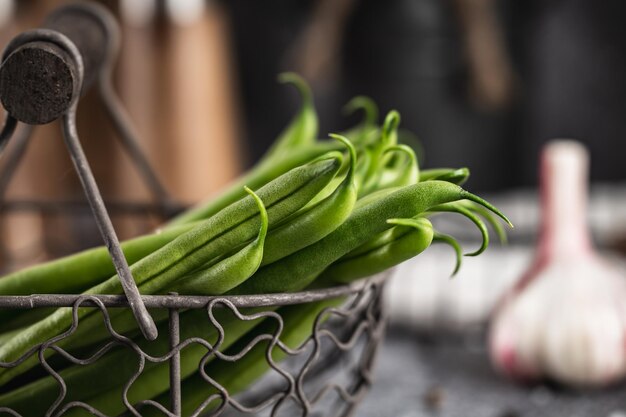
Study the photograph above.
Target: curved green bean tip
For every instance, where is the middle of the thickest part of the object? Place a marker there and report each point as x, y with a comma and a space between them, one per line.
403, 148
329, 155
367, 104
407, 137
481, 227
449, 240
497, 227
483, 231
489, 217
262, 212
392, 120
459, 208
351, 152
298, 82
473, 197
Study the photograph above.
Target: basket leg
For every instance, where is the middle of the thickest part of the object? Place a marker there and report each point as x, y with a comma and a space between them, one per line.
175, 383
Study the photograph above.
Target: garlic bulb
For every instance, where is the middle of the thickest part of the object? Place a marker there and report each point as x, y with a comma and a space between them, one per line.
566, 318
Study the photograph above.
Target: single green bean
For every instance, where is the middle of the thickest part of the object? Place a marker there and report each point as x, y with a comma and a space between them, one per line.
402, 174
229, 272
388, 138
302, 130
367, 130
449, 240
412, 238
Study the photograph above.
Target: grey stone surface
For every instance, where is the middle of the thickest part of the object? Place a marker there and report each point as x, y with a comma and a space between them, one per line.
451, 377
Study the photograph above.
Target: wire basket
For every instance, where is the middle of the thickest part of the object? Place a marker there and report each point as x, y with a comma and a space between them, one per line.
324, 373
342, 339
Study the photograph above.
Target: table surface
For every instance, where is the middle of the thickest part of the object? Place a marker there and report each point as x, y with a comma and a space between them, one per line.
452, 377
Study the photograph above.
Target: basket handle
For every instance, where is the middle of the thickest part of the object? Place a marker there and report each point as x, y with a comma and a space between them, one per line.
43, 74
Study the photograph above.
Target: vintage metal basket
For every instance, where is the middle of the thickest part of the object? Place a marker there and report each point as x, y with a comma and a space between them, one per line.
326, 375
346, 337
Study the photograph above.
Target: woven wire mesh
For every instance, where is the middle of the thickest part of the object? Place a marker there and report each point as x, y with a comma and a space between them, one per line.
325, 373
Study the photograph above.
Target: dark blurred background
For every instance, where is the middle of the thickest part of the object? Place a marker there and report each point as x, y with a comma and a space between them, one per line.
480, 83
483, 83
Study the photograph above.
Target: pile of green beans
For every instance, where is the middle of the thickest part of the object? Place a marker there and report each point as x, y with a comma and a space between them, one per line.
311, 214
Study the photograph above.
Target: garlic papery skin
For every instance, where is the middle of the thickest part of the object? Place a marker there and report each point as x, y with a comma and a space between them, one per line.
568, 324
566, 318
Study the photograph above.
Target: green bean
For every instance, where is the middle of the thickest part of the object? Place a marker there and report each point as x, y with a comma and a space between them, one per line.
364, 161
449, 240
367, 129
454, 207
8, 335
378, 241
74, 274
339, 178
486, 214
388, 137
369, 107
14, 319
298, 270
233, 270
302, 130
456, 176
413, 237
213, 237
403, 174
406, 137
317, 221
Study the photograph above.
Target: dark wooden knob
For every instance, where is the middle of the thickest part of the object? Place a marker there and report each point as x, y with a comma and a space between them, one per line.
37, 82
40, 78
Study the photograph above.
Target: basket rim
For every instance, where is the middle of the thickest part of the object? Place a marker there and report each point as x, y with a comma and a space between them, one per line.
175, 301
